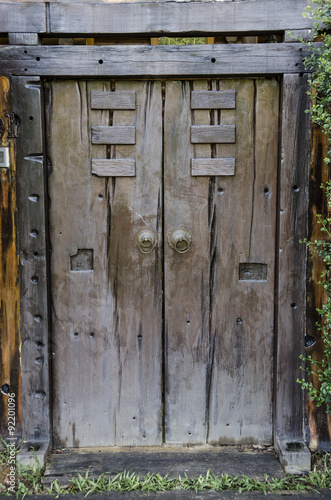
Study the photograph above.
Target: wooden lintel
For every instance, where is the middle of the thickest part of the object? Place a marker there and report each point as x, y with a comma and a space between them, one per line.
156, 61
23, 17
178, 17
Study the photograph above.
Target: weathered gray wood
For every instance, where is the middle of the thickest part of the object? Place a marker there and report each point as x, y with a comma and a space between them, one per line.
23, 17
213, 100
164, 461
185, 17
113, 100
107, 321
291, 297
157, 60
207, 134
186, 275
213, 166
33, 259
243, 226
250, 271
113, 135
23, 38
125, 167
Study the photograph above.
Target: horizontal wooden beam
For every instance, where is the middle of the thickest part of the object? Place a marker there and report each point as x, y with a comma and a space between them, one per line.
178, 17
22, 17
154, 61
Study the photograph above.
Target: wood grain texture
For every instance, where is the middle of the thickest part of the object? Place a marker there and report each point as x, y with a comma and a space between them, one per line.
242, 221
213, 100
125, 167
186, 275
213, 166
175, 17
113, 100
207, 134
291, 297
23, 38
22, 17
156, 60
33, 261
106, 323
113, 135
9, 289
318, 422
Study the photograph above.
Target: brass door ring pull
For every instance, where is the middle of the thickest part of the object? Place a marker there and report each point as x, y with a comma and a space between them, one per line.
146, 240
180, 239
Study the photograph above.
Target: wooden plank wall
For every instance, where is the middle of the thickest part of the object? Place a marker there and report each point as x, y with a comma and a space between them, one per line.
9, 290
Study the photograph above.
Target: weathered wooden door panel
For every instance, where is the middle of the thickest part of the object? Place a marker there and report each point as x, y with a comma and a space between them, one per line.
242, 313
219, 296
206, 321
106, 293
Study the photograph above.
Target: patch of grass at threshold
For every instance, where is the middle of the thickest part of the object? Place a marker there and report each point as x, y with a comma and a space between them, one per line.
29, 481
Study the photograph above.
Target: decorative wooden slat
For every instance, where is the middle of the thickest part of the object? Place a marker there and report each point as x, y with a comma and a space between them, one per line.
124, 167
172, 17
113, 135
213, 134
23, 17
213, 166
213, 100
156, 60
113, 100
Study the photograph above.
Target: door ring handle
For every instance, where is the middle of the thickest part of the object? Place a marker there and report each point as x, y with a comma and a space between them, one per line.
146, 240
180, 239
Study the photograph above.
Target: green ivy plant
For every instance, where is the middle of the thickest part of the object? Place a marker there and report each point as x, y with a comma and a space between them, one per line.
319, 61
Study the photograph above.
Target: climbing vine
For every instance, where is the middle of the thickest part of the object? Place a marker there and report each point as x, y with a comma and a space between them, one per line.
319, 61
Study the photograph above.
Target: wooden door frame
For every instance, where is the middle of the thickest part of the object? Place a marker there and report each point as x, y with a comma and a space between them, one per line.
26, 63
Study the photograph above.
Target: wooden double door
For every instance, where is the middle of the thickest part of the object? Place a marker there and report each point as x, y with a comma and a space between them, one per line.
162, 211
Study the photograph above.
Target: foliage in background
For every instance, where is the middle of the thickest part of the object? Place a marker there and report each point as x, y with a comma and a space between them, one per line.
165, 40
320, 91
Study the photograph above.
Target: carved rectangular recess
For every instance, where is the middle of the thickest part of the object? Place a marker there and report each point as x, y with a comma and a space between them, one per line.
113, 100
209, 99
213, 166
82, 260
122, 167
252, 272
213, 134
114, 135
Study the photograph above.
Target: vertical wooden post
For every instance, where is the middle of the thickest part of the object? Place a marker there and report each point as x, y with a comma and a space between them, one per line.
291, 296
31, 183
10, 380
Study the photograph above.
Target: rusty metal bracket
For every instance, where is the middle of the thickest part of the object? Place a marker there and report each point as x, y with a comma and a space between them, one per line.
12, 126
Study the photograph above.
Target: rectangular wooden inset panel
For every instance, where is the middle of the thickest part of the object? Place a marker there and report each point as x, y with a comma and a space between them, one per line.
253, 272
82, 260
113, 135
213, 99
213, 166
123, 167
213, 134
113, 100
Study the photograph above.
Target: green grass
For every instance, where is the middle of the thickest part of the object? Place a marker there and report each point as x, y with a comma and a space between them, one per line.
29, 481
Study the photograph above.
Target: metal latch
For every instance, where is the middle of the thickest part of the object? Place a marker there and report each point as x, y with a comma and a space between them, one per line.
4, 157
